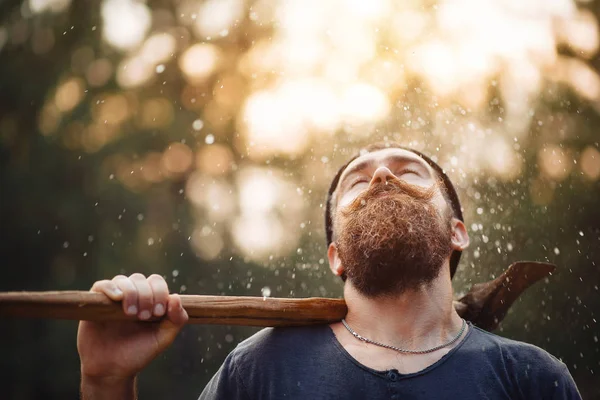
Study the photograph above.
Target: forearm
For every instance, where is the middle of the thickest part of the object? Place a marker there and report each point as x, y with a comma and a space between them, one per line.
108, 389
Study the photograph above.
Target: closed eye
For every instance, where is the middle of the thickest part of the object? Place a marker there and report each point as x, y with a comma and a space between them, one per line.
357, 181
408, 171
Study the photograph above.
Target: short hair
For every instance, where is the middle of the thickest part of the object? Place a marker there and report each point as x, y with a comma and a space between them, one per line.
449, 193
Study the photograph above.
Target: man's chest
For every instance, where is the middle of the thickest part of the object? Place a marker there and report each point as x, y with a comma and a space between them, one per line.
390, 385
337, 376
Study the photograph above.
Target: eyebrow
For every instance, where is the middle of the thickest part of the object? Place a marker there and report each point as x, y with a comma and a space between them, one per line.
367, 163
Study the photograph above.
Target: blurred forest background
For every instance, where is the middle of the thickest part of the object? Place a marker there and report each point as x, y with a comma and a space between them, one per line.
196, 140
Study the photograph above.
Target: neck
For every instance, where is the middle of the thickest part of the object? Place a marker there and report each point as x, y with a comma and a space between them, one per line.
416, 319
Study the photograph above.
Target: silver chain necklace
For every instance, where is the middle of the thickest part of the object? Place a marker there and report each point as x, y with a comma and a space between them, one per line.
398, 349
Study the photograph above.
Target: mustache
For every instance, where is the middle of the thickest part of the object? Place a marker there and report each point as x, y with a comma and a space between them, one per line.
395, 188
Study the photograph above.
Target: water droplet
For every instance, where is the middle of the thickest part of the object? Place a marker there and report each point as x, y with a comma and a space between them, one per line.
150, 241
197, 124
210, 139
140, 217
266, 291
66, 244
175, 273
160, 68
556, 251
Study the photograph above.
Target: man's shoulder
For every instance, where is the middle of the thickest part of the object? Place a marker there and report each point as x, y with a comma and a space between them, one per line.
249, 369
489, 341
531, 370
516, 354
271, 343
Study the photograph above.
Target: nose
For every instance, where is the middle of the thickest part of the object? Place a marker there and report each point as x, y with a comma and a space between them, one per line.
381, 175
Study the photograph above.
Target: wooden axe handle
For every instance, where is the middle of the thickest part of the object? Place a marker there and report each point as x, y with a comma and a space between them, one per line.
485, 305
225, 310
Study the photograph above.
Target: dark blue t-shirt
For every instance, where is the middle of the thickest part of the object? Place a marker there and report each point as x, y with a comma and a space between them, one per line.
309, 363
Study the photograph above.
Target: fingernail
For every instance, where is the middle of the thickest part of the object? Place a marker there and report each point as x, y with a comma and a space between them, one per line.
159, 310
132, 310
145, 314
117, 292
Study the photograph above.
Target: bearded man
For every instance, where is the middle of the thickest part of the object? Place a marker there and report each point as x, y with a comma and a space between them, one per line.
395, 233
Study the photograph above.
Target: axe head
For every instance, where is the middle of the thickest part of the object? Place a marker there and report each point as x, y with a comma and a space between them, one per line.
487, 303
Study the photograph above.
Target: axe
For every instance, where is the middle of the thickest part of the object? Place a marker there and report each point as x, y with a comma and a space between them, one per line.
485, 305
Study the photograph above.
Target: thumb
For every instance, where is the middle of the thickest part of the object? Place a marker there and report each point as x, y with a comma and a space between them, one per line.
176, 319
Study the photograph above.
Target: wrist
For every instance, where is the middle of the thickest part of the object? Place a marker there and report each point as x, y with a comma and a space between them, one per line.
107, 387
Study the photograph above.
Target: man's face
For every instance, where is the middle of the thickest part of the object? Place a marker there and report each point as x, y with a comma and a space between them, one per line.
392, 225
402, 164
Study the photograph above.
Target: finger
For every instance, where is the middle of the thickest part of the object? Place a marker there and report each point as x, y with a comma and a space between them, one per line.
108, 288
145, 297
130, 294
176, 319
160, 291
176, 313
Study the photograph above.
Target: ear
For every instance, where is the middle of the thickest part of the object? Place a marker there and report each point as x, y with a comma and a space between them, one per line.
460, 237
335, 264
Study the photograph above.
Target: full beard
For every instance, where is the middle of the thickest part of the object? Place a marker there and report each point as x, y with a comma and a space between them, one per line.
392, 239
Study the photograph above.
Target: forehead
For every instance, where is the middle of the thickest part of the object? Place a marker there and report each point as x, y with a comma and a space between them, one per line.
383, 157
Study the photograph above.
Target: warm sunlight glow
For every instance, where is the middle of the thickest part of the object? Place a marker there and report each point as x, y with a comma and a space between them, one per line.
199, 61
126, 23
55, 6
134, 72
176, 159
217, 17
223, 96
69, 94
555, 162
590, 163
158, 48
